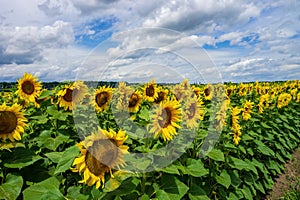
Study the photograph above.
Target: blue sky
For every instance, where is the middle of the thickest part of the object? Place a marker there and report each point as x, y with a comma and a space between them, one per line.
203, 40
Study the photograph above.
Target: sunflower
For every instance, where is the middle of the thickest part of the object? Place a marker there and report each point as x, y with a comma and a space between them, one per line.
135, 101
124, 95
247, 110
100, 153
12, 122
72, 94
165, 119
283, 100
162, 95
236, 128
197, 90
29, 88
263, 102
193, 112
150, 91
221, 115
102, 98
208, 92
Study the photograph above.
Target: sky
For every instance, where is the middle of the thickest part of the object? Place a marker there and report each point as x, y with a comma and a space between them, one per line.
127, 40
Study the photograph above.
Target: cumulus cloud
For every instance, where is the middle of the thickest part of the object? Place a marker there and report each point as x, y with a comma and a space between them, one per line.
246, 40
24, 45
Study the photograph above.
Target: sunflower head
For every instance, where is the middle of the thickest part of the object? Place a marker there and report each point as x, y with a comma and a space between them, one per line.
166, 118
135, 101
193, 111
12, 122
150, 91
161, 95
29, 88
208, 92
102, 98
100, 153
72, 94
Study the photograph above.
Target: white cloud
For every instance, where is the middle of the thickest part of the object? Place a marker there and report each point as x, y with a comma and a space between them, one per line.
23, 45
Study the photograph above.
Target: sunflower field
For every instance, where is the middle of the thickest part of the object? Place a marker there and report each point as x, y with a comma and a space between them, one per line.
81, 140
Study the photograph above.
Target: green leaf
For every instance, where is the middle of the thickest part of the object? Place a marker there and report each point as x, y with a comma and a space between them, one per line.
238, 163
47, 189
19, 158
235, 178
196, 192
74, 193
42, 119
247, 193
67, 159
11, 189
114, 183
171, 169
216, 155
264, 125
161, 194
145, 197
46, 140
196, 168
259, 186
45, 93
264, 149
224, 179
54, 156
174, 188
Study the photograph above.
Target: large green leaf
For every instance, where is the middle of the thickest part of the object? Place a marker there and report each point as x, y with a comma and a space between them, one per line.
216, 155
11, 189
65, 162
196, 192
74, 193
264, 149
224, 179
196, 168
19, 158
114, 183
46, 140
174, 188
47, 189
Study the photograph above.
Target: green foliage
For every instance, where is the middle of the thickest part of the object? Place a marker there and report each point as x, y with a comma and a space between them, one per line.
39, 166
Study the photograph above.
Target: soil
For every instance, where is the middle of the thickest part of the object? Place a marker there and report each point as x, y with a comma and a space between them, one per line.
290, 178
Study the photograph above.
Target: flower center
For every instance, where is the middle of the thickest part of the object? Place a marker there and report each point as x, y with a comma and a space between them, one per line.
161, 97
150, 91
8, 122
102, 98
68, 96
28, 87
207, 91
192, 110
133, 100
166, 118
101, 156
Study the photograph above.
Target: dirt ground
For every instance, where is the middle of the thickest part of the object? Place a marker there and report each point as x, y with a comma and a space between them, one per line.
288, 179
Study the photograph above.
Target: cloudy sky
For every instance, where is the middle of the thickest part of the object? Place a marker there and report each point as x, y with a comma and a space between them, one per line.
203, 40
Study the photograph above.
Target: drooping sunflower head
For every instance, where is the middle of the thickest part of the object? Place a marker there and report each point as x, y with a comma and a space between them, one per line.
124, 94
247, 110
166, 118
193, 112
29, 88
161, 94
208, 92
135, 101
12, 122
150, 91
102, 98
100, 153
72, 94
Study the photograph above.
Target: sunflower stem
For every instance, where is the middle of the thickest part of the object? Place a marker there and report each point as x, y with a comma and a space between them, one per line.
143, 183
